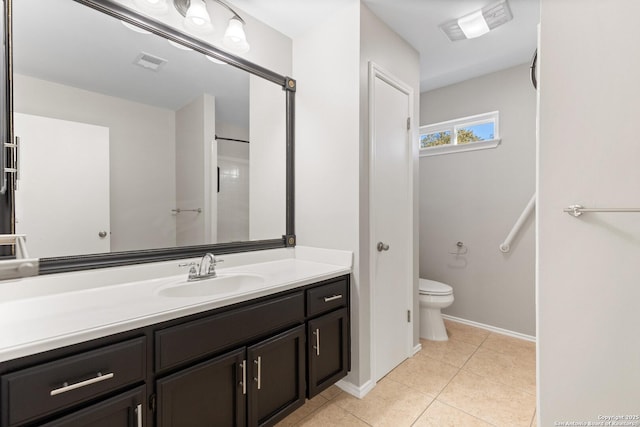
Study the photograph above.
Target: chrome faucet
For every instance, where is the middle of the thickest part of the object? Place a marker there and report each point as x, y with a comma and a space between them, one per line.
195, 270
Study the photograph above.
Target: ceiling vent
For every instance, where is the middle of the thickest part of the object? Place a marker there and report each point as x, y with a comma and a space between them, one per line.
492, 16
149, 62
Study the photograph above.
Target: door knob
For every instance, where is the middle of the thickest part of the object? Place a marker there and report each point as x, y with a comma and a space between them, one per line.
382, 247
102, 234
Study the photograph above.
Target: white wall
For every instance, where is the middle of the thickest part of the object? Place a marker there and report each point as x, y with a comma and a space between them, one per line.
588, 288
326, 66
142, 192
475, 197
196, 155
330, 64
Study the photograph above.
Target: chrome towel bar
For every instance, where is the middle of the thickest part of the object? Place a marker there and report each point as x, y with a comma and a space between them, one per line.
577, 210
199, 210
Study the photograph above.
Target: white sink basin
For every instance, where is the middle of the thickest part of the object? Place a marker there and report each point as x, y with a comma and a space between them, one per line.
222, 284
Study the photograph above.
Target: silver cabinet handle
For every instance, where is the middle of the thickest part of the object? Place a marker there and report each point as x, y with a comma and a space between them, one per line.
139, 415
68, 387
333, 298
382, 247
102, 234
317, 346
244, 377
259, 363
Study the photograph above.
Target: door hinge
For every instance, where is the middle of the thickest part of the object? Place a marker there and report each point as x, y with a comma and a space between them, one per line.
408, 316
408, 123
12, 161
152, 402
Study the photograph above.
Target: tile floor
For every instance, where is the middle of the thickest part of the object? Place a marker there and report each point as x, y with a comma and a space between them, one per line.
477, 378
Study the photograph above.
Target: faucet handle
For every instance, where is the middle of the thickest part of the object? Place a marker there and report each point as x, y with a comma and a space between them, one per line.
188, 264
212, 265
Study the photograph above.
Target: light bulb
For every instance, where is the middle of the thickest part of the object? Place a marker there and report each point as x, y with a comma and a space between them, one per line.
234, 37
473, 25
197, 18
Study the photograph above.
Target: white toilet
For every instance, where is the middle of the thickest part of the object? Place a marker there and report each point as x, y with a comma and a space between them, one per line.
434, 296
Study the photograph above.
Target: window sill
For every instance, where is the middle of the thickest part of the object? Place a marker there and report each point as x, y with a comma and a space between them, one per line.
448, 149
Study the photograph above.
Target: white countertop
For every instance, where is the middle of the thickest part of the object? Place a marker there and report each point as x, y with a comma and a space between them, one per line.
51, 311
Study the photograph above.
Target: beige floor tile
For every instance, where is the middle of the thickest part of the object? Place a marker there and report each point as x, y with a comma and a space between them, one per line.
469, 334
331, 415
309, 407
453, 352
505, 368
331, 392
534, 421
424, 374
440, 415
388, 404
488, 400
509, 345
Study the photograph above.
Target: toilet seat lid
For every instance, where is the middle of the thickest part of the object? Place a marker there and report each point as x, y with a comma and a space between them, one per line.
431, 287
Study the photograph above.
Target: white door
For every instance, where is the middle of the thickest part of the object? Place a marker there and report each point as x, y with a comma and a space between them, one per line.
62, 201
391, 220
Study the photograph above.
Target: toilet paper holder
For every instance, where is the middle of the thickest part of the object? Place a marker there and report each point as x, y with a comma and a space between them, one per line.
461, 249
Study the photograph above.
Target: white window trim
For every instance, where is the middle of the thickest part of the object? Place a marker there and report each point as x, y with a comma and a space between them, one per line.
452, 125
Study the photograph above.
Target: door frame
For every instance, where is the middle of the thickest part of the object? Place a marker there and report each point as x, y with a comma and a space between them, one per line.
376, 71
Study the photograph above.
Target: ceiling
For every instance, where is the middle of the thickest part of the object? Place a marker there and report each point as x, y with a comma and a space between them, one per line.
442, 62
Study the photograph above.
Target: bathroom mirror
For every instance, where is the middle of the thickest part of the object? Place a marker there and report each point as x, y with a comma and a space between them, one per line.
140, 143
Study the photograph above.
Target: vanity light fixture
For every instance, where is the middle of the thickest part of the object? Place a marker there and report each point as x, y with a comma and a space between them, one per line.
479, 22
197, 19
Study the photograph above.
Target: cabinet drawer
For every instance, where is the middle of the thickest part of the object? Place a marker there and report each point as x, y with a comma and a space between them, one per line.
182, 343
327, 297
44, 389
125, 410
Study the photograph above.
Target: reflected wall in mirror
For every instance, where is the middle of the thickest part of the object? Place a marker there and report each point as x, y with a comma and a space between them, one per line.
118, 139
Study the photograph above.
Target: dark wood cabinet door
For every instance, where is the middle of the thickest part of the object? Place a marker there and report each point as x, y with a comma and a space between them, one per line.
125, 410
207, 394
277, 380
327, 350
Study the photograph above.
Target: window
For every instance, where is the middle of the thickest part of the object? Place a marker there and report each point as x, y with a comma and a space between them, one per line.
465, 134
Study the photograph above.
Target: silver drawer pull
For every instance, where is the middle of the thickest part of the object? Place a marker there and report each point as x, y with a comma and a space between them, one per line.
333, 298
139, 415
244, 377
68, 387
258, 379
317, 346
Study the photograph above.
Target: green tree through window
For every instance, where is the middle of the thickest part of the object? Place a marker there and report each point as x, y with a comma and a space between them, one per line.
466, 135
434, 139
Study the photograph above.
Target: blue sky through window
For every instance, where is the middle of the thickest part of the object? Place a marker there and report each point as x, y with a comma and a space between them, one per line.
483, 130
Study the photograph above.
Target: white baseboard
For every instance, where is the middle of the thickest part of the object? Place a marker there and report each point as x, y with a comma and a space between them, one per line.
491, 328
416, 349
354, 390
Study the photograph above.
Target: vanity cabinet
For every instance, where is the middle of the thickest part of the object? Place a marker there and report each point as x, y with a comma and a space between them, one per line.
327, 350
33, 393
249, 386
124, 410
327, 335
247, 364
210, 393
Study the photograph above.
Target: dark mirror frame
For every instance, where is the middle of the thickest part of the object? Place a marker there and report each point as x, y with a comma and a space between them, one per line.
113, 259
